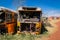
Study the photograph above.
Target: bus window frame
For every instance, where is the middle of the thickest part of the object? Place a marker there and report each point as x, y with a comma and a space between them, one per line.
10, 16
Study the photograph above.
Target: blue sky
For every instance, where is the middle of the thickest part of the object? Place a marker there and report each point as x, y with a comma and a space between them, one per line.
49, 7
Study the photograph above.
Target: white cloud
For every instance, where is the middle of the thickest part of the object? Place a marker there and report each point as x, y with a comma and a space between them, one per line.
51, 13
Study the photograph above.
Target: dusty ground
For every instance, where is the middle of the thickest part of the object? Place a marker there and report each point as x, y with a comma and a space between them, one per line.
53, 32
56, 35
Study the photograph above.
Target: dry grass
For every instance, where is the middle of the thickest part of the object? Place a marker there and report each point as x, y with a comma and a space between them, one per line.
52, 28
21, 37
29, 36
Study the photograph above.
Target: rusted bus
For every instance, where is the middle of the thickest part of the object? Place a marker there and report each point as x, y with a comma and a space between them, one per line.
30, 19
8, 18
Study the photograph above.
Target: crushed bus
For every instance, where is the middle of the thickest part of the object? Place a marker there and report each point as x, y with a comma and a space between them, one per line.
8, 20
29, 19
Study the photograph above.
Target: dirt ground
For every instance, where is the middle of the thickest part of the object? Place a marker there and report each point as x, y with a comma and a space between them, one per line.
56, 34
54, 31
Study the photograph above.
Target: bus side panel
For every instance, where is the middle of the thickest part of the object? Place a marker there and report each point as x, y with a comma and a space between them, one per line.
10, 28
38, 27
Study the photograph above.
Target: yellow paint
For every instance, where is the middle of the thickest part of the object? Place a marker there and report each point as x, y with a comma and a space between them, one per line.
18, 24
37, 33
38, 24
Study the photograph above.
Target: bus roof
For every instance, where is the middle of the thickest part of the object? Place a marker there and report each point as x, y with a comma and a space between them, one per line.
3, 8
30, 8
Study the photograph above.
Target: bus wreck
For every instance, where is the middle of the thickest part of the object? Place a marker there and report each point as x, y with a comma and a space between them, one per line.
8, 20
29, 19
